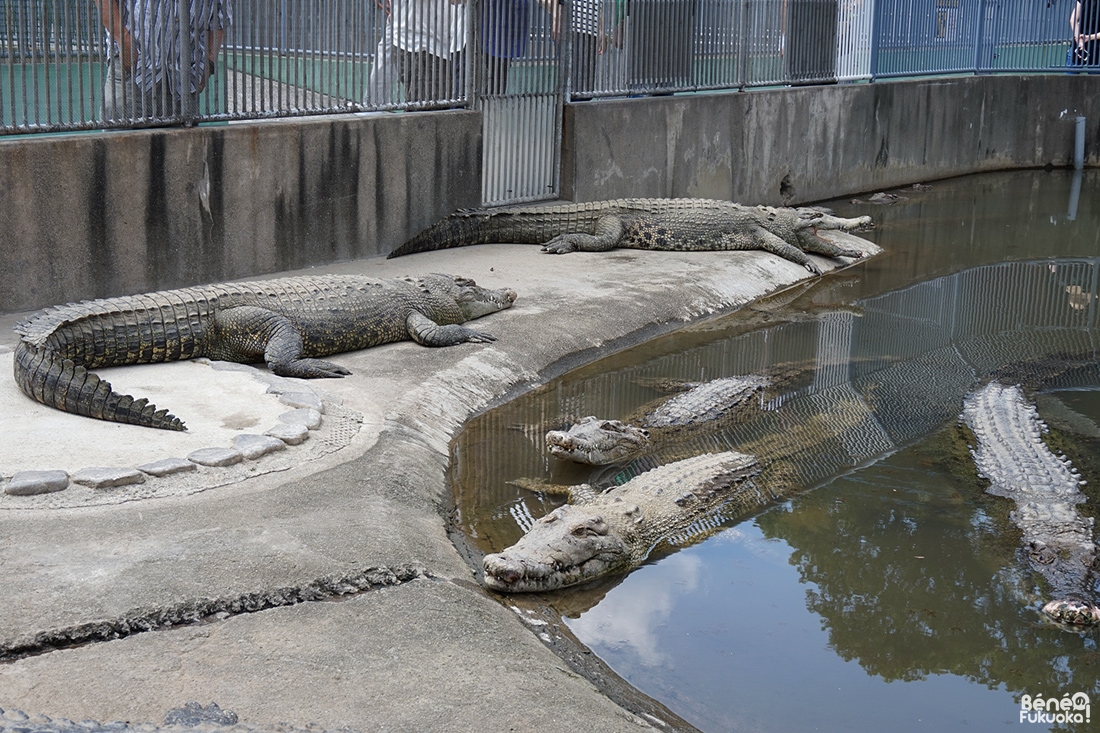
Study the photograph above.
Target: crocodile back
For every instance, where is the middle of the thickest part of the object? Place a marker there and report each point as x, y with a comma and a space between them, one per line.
136, 329
538, 224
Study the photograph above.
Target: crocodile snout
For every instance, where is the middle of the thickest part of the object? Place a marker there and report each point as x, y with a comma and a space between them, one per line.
1073, 612
502, 571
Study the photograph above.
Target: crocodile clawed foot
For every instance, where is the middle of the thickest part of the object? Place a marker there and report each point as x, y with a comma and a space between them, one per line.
558, 249
812, 267
310, 369
559, 245
480, 337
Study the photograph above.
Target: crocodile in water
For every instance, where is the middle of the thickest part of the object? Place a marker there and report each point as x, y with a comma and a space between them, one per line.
685, 225
598, 539
599, 442
1057, 539
286, 323
601, 533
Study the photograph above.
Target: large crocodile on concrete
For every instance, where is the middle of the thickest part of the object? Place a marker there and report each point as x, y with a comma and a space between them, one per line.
654, 224
601, 533
1012, 456
599, 442
286, 323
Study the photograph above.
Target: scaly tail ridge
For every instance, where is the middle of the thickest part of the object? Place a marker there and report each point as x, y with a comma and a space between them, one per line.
457, 230
61, 383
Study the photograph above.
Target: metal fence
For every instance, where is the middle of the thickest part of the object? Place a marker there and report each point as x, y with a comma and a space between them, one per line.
516, 60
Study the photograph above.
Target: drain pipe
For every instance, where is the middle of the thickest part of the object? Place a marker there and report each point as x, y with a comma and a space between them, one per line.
1079, 144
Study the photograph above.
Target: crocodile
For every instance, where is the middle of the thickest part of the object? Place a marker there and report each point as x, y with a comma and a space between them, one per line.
599, 442
684, 225
1057, 539
601, 533
285, 322
786, 454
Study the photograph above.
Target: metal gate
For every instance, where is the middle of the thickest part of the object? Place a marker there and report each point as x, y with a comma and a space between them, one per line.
513, 60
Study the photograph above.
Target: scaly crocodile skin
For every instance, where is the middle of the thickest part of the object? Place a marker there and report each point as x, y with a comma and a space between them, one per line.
285, 322
1012, 456
601, 533
688, 225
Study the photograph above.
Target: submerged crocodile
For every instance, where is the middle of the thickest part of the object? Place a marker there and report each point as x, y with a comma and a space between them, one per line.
286, 323
598, 442
653, 224
601, 533
787, 454
1012, 456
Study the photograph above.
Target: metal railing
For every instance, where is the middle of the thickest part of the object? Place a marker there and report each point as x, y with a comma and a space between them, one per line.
291, 57
516, 60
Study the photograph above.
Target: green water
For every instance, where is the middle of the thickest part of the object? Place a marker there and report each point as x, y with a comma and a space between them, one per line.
881, 589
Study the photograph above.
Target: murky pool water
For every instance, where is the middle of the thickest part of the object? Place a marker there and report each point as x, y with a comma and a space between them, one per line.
882, 589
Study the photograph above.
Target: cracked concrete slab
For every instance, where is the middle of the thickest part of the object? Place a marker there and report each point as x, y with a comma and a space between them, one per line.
215, 591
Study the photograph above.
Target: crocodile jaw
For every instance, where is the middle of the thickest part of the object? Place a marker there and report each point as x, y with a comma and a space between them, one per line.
476, 301
597, 442
567, 546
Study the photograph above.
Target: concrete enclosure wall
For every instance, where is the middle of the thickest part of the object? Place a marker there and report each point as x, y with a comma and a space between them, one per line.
103, 214
805, 144
108, 213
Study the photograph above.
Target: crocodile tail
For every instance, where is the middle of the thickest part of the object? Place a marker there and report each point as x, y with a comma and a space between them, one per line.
457, 230
57, 382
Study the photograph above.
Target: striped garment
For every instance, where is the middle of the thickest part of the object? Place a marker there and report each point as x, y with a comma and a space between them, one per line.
156, 35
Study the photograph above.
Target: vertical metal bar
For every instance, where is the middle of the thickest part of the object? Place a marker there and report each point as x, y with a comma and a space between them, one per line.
39, 49
979, 36
23, 57
742, 45
876, 36
184, 27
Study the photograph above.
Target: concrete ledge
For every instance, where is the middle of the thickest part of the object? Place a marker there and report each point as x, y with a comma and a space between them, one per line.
424, 648
804, 144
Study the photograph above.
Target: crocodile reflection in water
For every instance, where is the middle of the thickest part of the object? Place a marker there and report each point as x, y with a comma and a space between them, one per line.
949, 334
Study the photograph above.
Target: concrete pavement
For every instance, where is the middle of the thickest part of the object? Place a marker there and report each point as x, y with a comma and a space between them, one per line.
317, 584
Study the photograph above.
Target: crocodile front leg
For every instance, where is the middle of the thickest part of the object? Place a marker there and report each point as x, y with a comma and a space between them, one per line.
763, 239
812, 242
248, 334
608, 233
426, 332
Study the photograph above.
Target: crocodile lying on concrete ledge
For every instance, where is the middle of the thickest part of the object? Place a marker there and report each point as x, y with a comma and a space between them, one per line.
1012, 456
285, 322
684, 225
599, 442
601, 533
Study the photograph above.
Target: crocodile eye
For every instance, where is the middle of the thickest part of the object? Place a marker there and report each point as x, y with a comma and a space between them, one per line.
590, 530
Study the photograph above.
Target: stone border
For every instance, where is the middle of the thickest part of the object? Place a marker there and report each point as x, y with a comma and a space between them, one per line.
310, 415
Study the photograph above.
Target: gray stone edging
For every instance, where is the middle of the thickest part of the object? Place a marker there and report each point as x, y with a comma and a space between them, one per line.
293, 429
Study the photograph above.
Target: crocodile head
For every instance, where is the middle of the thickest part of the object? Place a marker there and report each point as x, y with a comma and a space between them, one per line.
569, 545
597, 442
473, 300
1073, 612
